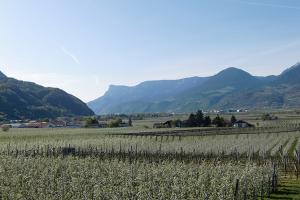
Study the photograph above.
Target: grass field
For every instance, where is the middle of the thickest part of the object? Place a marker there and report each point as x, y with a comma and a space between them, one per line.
289, 188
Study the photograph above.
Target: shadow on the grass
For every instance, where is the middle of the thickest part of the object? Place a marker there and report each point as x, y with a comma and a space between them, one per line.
288, 189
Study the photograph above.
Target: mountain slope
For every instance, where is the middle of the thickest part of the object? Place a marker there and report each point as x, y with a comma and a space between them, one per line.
212, 92
26, 100
290, 76
139, 98
231, 78
2, 76
230, 88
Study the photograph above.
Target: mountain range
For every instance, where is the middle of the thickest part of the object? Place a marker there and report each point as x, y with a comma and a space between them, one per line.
27, 100
229, 89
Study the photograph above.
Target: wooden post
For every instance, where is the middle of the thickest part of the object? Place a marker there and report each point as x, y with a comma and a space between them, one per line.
262, 190
236, 191
269, 189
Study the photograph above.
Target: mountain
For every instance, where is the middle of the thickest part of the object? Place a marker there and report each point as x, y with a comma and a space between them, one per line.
140, 98
26, 100
290, 75
230, 88
2, 76
231, 78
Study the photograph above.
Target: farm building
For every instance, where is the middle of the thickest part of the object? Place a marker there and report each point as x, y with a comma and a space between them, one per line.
103, 124
58, 123
124, 124
74, 124
242, 124
158, 125
17, 125
36, 125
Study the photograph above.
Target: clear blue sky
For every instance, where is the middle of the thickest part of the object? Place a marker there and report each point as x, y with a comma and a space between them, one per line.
83, 46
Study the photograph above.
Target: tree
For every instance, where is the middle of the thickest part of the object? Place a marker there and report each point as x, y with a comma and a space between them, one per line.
219, 121
91, 121
5, 128
114, 123
191, 122
206, 121
176, 123
199, 118
233, 119
129, 121
268, 116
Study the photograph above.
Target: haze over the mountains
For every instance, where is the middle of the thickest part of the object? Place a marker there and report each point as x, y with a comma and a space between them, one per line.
27, 100
230, 88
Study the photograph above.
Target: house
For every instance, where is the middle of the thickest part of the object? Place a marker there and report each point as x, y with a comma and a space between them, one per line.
102, 124
242, 124
124, 124
158, 125
17, 125
74, 124
45, 125
34, 125
168, 124
57, 123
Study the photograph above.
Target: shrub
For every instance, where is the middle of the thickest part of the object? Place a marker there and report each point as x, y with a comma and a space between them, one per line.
90, 122
5, 128
114, 123
268, 116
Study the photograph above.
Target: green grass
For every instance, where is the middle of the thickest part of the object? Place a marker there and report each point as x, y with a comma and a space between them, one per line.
289, 188
293, 147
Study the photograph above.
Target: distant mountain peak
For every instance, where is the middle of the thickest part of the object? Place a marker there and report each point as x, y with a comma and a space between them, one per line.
232, 73
2, 76
294, 67
231, 77
233, 70
289, 76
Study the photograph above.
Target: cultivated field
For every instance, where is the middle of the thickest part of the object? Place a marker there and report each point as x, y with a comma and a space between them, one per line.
139, 163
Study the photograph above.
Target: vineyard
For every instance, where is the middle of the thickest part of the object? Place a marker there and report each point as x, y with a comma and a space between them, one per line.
148, 164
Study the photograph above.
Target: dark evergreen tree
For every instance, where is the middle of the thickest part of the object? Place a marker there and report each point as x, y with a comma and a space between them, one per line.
206, 121
233, 119
176, 123
199, 118
219, 121
191, 122
91, 121
130, 121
